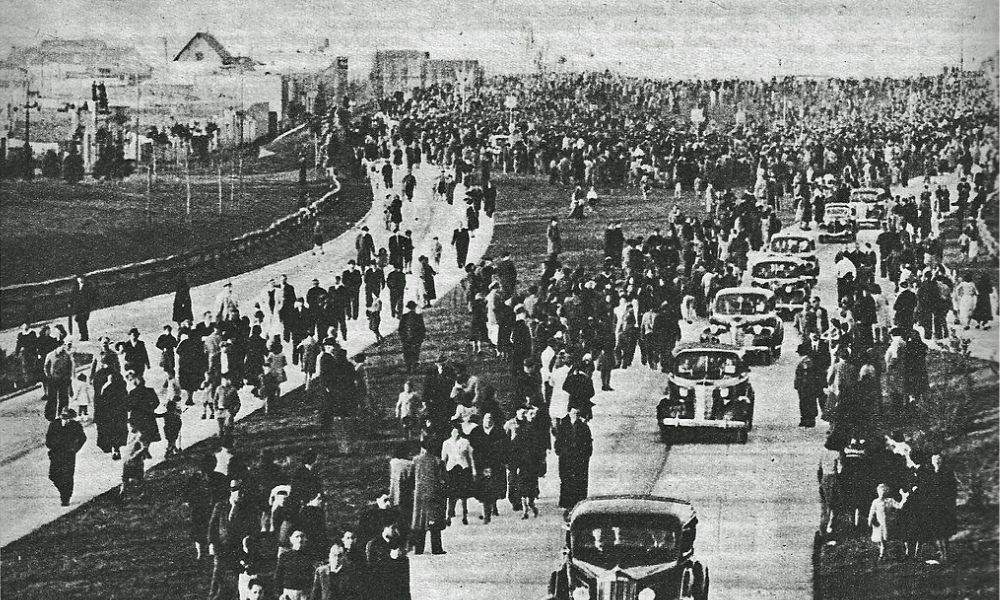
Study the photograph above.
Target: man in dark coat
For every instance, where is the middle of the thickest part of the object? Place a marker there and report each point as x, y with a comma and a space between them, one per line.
809, 386
339, 579
365, 245
412, 332
520, 341
337, 378
460, 240
231, 521
396, 245
64, 439
84, 299
904, 307
316, 303
352, 279
336, 307
574, 446
374, 280
428, 500
288, 297
489, 446
396, 282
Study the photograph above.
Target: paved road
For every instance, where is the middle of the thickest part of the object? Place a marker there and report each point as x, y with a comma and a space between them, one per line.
27, 492
757, 504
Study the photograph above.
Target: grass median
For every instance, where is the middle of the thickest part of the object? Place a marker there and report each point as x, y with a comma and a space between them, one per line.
103, 551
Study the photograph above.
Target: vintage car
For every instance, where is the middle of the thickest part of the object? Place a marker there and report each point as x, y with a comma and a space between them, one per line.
747, 318
840, 224
799, 244
630, 548
869, 208
788, 277
708, 388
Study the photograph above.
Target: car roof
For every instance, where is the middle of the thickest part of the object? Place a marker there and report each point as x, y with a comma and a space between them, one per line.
797, 235
712, 346
746, 289
634, 504
774, 257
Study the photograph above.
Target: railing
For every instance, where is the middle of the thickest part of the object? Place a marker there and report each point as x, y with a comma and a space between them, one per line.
50, 299
988, 242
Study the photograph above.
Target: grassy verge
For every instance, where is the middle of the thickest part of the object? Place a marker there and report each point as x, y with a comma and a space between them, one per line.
960, 418
101, 551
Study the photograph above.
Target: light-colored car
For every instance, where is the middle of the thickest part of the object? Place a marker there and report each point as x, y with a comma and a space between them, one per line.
787, 276
869, 207
747, 318
840, 223
799, 244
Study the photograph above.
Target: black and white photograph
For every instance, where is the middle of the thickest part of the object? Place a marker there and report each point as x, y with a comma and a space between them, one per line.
499, 300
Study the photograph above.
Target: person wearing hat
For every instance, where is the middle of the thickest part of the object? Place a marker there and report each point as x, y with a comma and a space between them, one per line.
136, 356
396, 282
64, 438
58, 371
427, 274
365, 246
83, 300
232, 519
412, 332
227, 306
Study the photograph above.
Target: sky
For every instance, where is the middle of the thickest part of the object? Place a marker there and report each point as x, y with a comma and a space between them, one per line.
656, 38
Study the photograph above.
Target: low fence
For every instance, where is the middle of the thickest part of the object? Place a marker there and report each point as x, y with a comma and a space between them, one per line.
987, 241
51, 299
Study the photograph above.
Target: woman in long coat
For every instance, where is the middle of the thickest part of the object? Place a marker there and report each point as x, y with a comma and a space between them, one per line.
401, 486
142, 405
427, 274
191, 364
428, 498
110, 409
574, 446
182, 301
983, 313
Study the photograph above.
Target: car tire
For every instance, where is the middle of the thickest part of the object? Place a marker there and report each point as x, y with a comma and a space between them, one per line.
666, 436
559, 585
700, 582
775, 354
741, 436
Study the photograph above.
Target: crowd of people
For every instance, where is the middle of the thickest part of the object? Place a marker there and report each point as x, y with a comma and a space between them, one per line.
799, 140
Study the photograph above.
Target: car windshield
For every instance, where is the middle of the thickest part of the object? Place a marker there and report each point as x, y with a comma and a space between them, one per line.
837, 211
775, 270
741, 304
789, 244
707, 365
625, 540
869, 197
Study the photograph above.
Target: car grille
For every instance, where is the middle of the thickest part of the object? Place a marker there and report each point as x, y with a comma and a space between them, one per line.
617, 589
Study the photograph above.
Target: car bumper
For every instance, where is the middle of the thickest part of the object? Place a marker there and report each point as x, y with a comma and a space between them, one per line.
843, 236
667, 422
789, 306
870, 223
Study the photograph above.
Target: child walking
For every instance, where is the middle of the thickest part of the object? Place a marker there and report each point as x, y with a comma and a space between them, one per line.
82, 395
134, 465
881, 517
171, 426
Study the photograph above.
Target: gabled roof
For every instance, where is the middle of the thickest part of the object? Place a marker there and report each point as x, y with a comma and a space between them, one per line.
212, 42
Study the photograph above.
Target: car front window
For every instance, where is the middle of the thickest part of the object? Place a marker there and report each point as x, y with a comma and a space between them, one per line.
775, 270
624, 541
714, 365
740, 304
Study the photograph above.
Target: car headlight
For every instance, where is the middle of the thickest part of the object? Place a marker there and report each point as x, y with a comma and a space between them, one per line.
581, 593
647, 594
757, 329
788, 289
723, 392
682, 391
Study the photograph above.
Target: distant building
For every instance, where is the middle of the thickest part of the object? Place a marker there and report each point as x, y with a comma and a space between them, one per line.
206, 50
467, 73
398, 71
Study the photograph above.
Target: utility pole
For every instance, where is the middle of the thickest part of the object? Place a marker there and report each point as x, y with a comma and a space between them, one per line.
220, 187
149, 195
187, 176
29, 171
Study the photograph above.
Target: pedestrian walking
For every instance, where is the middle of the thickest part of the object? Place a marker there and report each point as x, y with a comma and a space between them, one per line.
429, 500
64, 438
83, 301
412, 332
574, 445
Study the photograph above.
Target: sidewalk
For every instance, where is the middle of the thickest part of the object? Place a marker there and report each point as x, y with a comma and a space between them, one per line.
27, 492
